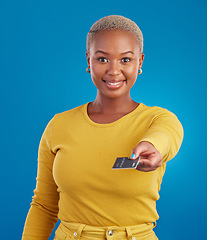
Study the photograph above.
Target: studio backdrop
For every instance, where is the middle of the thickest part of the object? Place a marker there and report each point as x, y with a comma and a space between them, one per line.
42, 72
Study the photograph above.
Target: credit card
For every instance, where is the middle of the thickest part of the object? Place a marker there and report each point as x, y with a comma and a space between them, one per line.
125, 163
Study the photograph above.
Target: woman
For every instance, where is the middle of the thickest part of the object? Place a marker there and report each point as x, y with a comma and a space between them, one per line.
75, 181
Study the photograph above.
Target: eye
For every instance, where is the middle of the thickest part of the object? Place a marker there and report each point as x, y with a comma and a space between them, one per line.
102, 59
126, 59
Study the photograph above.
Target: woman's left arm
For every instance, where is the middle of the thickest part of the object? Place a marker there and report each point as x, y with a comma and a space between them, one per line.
160, 143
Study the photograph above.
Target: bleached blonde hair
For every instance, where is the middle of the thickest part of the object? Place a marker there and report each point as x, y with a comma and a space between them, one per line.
115, 22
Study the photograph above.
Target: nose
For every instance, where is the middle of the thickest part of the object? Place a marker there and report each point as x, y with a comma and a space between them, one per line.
113, 68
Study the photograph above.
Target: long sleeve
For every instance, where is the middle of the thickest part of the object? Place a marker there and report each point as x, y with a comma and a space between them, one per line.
42, 215
165, 133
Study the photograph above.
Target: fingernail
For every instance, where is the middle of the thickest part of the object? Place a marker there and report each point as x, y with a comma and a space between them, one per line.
133, 155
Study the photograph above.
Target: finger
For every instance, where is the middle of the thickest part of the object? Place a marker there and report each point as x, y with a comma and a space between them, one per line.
133, 155
137, 151
149, 164
142, 149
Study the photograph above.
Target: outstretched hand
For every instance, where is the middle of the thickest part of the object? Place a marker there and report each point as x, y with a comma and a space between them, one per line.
150, 157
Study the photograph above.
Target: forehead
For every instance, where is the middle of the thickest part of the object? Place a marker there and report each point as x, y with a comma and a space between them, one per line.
115, 41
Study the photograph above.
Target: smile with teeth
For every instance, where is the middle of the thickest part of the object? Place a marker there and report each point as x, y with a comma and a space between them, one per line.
114, 83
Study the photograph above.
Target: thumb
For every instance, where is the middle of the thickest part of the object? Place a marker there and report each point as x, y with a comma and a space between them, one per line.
141, 149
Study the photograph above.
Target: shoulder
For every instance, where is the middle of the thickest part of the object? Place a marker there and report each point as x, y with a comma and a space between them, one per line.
67, 118
69, 114
158, 115
162, 117
154, 111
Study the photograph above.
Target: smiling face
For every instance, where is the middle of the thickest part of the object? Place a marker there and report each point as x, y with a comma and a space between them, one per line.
114, 59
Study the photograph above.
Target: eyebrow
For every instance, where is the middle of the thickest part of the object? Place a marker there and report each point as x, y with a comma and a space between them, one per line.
99, 51
128, 52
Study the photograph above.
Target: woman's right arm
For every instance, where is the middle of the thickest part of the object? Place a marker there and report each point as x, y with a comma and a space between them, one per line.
42, 215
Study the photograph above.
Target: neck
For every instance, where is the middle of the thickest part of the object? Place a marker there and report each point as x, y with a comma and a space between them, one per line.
113, 105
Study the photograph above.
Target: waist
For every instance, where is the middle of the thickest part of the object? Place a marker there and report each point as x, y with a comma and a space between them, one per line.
76, 231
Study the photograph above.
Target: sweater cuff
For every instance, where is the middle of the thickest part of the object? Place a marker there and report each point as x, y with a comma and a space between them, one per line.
159, 141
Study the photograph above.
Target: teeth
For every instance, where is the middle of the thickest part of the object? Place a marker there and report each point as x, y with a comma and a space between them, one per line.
113, 84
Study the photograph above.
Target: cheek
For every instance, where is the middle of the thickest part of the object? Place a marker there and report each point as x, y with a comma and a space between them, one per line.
96, 74
95, 68
96, 71
132, 71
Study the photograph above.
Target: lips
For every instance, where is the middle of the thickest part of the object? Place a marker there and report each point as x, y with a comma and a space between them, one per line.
114, 84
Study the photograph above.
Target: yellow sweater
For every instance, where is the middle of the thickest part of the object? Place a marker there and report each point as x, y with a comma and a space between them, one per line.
75, 180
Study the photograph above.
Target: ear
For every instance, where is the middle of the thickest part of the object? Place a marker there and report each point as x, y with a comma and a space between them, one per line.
141, 59
88, 58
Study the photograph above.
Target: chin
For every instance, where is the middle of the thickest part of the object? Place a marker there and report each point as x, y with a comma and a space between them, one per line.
115, 95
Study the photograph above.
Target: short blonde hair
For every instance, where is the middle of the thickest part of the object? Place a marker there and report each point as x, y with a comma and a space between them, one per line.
115, 22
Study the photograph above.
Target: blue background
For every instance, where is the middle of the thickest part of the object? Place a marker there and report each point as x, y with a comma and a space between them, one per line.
42, 72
